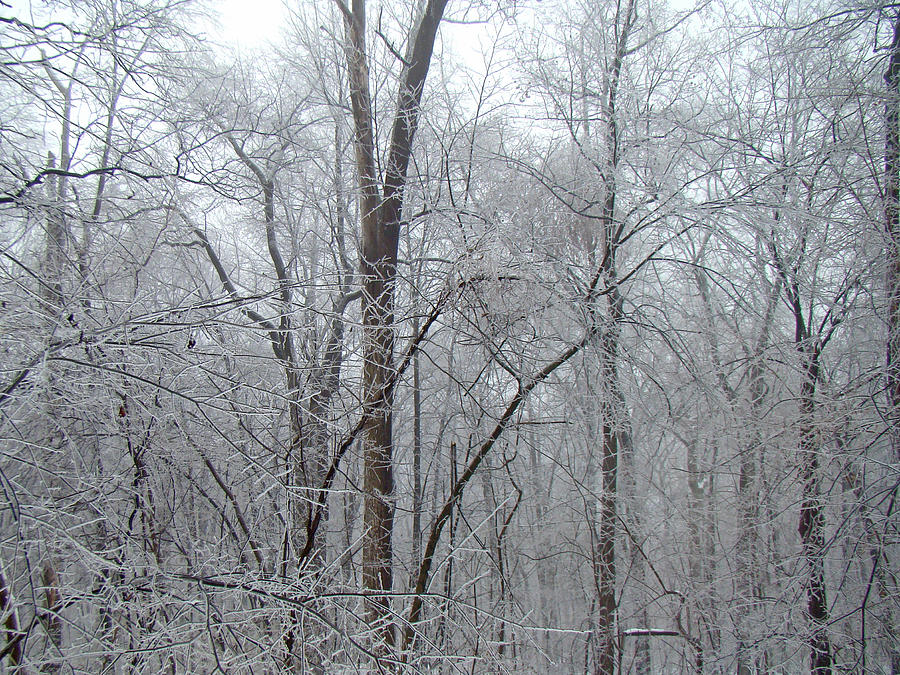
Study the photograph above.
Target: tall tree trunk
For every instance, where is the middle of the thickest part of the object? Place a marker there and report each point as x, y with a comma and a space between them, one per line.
381, 213
417, 458
638, 566
811, 525
612, 410
605, 555
892, 227
812, 522
14, 635
53, 621
748, 577
327, 376
748, 557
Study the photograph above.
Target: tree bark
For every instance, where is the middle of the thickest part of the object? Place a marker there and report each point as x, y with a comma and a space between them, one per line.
892, 228
811, 527
812, 523
381, 214
417, 458
612, 408
604, 556
751, 458
53, 621
14, 634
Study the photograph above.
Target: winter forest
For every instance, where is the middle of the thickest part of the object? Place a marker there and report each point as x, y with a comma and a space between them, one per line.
450, 336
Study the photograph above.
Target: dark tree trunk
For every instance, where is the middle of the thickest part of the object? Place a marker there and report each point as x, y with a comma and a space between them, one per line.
605, 556
812, 523
892, 228
381, 216
812, 512
612, 407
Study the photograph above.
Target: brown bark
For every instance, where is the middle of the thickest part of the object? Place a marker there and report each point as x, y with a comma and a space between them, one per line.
612, 408
892, 228
812, 514
633, 513
812, 523
417, 458
604, 556
381, 214
52, 621
14, 634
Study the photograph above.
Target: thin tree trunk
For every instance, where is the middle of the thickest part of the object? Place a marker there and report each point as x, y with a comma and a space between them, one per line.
812, 513
751, 457
53, 621
604, 557
14, 634
633, 511
417, 458
57, 225
327, 378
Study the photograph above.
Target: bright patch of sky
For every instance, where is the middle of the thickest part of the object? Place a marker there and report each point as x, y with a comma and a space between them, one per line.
250, 23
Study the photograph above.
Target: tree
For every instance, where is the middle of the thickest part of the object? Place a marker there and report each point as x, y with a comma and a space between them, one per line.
381, 216
891, 197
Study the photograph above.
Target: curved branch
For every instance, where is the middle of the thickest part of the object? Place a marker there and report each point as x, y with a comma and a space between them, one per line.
225, 279
16, 197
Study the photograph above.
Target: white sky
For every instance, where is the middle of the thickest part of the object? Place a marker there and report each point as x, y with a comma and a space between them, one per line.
248, 23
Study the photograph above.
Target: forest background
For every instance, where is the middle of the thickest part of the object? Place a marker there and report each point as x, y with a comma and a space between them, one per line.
450, 337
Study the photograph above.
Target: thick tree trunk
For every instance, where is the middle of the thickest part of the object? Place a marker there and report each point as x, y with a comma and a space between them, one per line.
381, 213
377, 268
612, 409
378, 481
812, 524
892, 228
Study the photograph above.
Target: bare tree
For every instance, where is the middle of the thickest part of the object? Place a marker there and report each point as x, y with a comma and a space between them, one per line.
381, 215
